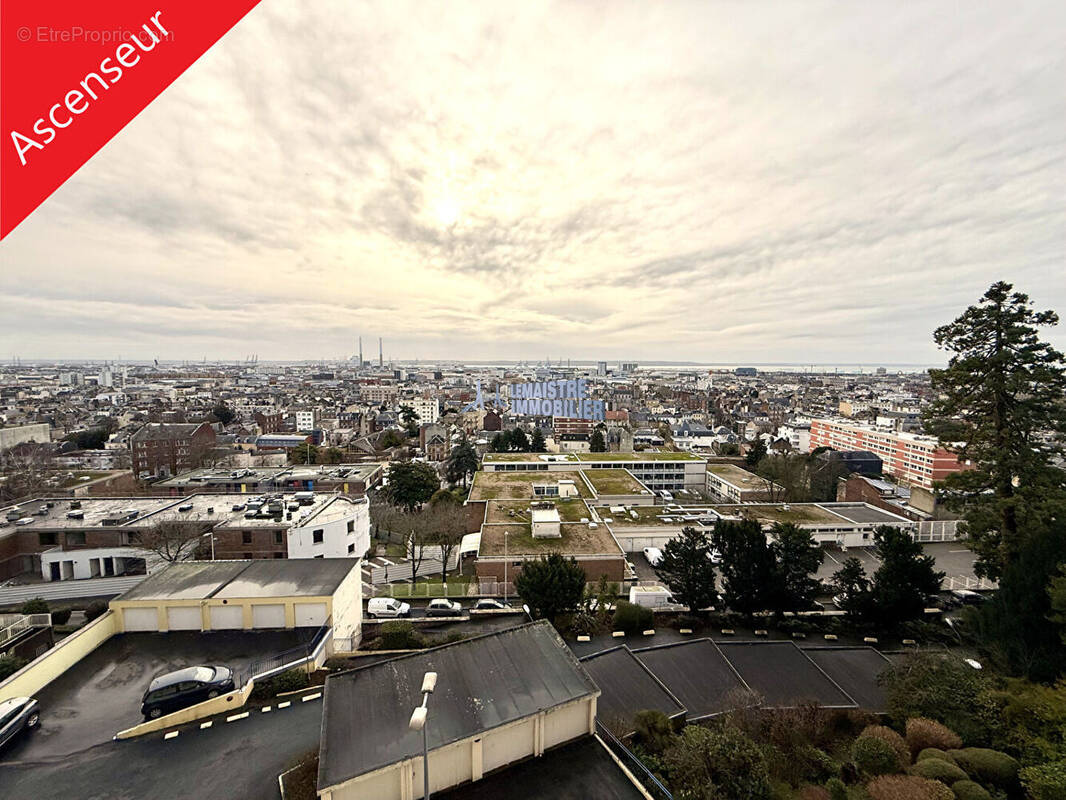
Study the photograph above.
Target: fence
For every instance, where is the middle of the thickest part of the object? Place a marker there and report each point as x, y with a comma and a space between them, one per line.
425, 589
22, 623
938, 531
642, 773
403, 570
293, 657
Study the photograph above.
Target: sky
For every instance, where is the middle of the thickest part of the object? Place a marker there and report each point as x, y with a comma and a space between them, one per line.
715, 182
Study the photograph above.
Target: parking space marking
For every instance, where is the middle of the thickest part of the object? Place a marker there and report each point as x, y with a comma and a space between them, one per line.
235, 717
207, 724
170, 735
286, 704
265, 709
831, 557
314, 696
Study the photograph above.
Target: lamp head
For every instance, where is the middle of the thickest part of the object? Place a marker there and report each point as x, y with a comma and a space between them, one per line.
418, 718
429, 682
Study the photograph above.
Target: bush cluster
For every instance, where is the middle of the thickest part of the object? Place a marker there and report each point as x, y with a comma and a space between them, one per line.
291, 681
398, 635
97, 608
874, 756
61, 617
988, 766
924, 733
968, 790
893, 740
938, 770
632, 618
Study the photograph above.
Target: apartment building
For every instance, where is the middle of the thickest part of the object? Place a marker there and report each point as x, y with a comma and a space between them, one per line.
161, 449
911, 458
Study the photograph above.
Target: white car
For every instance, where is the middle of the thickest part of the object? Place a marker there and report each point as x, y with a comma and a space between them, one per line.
387, 607
654, 555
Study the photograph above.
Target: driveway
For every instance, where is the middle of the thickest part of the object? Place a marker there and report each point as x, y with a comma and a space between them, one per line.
101, 694
240, 760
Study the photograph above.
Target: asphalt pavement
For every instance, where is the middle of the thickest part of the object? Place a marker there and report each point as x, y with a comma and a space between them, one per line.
238, 760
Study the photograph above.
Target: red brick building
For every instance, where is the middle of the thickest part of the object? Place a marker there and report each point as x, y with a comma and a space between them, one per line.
161, 449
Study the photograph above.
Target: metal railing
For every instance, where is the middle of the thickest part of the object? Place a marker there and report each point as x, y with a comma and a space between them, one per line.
23, 624
293, 657
642, 772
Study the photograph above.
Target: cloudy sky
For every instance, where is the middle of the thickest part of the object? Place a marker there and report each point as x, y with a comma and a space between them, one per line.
707, 181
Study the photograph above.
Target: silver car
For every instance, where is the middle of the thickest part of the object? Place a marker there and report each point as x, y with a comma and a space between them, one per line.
16, 715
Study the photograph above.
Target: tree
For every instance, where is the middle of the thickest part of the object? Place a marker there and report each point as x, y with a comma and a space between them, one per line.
462, 462
791, 473
798, 557
906, 579
171, 539
756, 452
1057, 595
333, 455
223, 413
851, 587
305, 453
501, 442
536, 442
551, 585
1014, 626
719, 763
999, 405
411, 484
410, 420
519, 440
596, 443
748, 566
687, 570
392, 438
447, 528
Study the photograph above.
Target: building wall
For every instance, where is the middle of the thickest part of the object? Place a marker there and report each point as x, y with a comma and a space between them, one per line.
10, 437
345, 537
178, 614
614, 567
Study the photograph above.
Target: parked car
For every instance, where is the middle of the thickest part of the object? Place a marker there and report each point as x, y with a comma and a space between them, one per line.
443, 608
17, 715
378, 607
185, 687
654, 555
967, 597
489, 604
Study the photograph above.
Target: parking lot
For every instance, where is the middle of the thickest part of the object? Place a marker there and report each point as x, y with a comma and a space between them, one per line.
101, 695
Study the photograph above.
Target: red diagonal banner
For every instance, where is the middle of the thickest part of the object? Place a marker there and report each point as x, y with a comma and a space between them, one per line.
73, 73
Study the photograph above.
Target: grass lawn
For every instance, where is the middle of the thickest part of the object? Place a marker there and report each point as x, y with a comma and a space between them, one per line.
613, 481
519, 485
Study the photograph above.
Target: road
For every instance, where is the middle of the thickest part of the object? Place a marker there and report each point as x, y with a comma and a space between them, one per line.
238, 760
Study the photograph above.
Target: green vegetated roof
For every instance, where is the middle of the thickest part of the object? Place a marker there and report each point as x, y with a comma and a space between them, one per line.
613, 481
577, 539
519, 485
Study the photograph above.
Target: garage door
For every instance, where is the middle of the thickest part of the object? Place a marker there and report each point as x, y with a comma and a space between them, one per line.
310, 615
140, 619
268, 616
227, 618
184, 618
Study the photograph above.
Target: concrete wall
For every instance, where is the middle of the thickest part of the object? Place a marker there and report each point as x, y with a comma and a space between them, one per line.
231, 701
257, 613
43, 670
9, 437
471, 758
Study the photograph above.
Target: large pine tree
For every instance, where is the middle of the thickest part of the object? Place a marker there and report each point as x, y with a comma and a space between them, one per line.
999, 405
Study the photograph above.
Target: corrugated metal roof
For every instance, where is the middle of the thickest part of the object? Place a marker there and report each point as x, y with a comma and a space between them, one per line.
482, 683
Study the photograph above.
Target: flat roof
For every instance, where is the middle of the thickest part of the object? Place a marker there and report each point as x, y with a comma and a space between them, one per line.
215, 476
571, 509
614, 481
200, 580
855, 669
519, 485
699, 675
646, 455
482, 683
577, 539
94, 509
738, 477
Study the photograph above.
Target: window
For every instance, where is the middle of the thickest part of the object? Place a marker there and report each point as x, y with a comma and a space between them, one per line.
247, 556
75, 537
320, 556
316, 536
351, 526
246, 537
279, 537
351, 549
46, 538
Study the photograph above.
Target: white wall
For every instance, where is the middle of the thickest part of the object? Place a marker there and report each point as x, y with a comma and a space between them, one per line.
337, 540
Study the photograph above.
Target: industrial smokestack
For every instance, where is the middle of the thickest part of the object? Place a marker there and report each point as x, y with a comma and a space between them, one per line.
381, 357
360, 352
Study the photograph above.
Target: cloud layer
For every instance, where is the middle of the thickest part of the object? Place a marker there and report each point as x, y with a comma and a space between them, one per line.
704, 181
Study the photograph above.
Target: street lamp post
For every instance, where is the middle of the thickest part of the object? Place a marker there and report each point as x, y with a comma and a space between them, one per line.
418, 723
505, 567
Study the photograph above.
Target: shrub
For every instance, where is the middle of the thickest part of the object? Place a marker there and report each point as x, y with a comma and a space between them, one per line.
933, 752
874, 756
810, 792
653, 730
923, 733
61, 617
893, 740
938, 770
97, 608
1045, 781
291, 681
399, 635
968, 790
723, 757
9, 665
907, 787
632, 618
836, 788
34, 606
584, 624
987, 766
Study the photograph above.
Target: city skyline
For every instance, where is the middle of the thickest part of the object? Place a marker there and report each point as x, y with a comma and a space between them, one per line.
807, 183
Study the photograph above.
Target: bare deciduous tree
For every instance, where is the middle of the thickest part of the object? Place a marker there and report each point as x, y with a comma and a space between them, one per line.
171, 539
